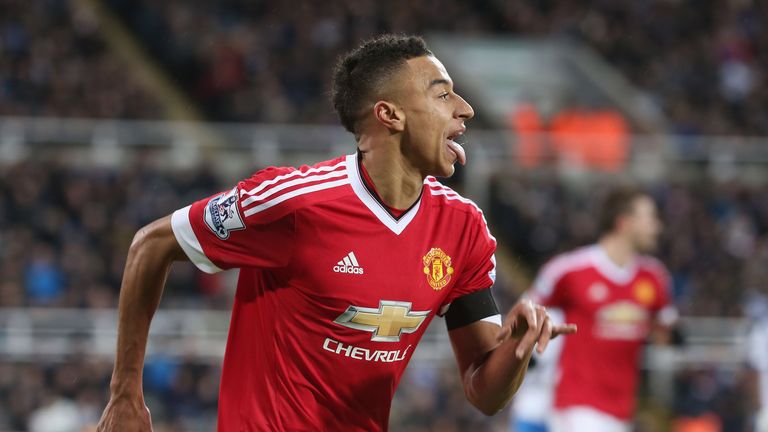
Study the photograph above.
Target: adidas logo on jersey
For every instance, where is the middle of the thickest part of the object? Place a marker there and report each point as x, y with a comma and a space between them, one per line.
348, 265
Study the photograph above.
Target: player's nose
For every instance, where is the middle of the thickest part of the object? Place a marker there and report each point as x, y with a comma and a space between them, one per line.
464, 109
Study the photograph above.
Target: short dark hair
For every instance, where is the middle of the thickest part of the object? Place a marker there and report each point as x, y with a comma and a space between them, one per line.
361, 73
618, 202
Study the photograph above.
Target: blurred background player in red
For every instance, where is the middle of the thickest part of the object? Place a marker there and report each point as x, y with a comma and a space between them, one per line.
617, 296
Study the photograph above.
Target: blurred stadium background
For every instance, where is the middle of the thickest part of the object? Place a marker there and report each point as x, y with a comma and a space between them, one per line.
116, 112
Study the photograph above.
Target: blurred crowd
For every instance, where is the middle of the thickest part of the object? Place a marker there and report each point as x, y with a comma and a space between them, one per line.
65, 232
271, 61
69, 395
54, 62
701, 61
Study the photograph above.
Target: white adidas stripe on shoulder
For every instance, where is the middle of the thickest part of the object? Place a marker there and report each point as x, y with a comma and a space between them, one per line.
450, 194
285, 185
445, 190
294, 193
297, 173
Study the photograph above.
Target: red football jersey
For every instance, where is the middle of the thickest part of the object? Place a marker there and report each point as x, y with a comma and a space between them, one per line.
334, 293
614, 308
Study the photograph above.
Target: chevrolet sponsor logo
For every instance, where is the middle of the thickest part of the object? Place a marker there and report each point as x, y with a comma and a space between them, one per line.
387, 322
360, 353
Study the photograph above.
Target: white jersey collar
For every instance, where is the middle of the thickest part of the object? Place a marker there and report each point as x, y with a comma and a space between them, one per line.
611, 270
396, 225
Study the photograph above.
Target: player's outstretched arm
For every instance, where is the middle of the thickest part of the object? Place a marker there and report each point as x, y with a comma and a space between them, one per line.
152, 251
493, 360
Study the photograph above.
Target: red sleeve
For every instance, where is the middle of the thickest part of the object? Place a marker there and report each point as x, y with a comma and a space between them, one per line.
666, 312
226, 231
480, 270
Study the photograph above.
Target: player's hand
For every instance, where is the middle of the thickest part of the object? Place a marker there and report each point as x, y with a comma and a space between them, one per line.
125, 415
531, 323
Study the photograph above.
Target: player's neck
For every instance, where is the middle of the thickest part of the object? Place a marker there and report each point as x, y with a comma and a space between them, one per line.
618, 250
398, 183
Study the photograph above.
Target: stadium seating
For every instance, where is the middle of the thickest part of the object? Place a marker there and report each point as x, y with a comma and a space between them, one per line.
54, 62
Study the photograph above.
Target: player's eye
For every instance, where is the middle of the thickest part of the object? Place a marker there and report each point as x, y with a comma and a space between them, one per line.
444, 96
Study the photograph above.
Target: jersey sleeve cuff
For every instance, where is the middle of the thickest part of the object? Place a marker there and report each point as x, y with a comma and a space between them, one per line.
667, 316
186, 237
494, 319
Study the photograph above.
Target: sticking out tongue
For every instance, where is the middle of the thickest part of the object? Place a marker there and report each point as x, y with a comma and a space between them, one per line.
455, 147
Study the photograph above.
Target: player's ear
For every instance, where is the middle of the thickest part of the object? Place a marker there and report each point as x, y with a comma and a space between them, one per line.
389, 115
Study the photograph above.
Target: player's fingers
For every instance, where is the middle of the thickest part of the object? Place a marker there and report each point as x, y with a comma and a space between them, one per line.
529, 315
564, 329
526, 342
541, 315
517, 320
546, 335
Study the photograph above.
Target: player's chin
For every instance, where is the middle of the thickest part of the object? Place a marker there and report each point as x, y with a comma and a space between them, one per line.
446, 168
648, 246
447, 164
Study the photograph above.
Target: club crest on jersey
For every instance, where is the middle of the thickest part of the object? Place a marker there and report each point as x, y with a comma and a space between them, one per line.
221, 214
598, 292
644, 292
437, 267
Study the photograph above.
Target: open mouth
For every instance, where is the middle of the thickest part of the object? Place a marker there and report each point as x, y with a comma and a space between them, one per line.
452, 141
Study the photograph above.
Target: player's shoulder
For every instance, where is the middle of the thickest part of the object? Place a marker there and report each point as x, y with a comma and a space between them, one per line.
651, 263
655, 267
571, 261
559, 267
275, 175
448, 198
291, 188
